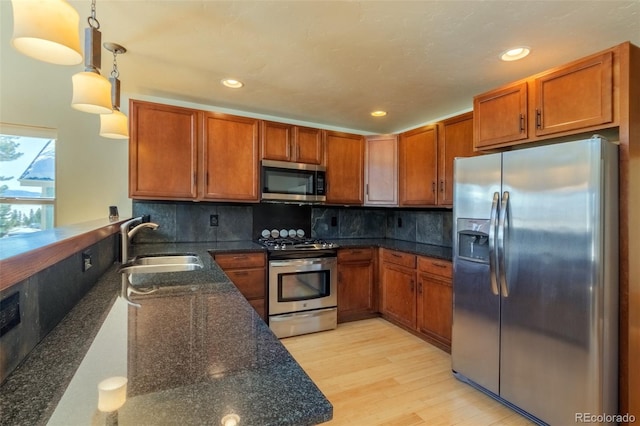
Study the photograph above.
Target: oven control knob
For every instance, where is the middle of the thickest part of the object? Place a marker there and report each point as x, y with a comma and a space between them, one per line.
324, 245
276, 247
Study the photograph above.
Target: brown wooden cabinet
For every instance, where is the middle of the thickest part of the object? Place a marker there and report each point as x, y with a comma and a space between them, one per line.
183, 154
230, 158
455, 139
345, 168
435, 301
163, 151
574, 98
356, 284
417, 166
398, 287
381, 170
248, 272
286, 142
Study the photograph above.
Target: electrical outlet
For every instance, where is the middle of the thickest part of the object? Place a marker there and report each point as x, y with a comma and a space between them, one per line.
399, 222
213, 220
86, 261
334, 221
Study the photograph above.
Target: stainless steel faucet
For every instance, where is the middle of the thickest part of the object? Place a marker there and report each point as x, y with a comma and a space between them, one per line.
127, 234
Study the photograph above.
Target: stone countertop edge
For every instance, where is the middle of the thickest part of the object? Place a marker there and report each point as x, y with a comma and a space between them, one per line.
31, 393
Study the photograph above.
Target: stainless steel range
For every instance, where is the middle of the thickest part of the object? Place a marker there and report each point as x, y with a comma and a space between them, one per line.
302, 283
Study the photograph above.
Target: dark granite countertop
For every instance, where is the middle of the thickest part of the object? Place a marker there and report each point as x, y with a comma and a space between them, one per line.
193, 352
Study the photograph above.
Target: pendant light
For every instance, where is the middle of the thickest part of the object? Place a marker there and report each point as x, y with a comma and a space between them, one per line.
47, 30
114, 125
91, 91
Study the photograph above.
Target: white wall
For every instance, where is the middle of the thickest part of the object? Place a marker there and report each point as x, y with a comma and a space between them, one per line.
91, 171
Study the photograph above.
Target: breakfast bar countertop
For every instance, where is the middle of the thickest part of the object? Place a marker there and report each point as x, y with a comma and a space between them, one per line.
193, 352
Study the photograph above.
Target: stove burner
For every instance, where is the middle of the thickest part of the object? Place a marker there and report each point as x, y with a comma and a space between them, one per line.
296, 244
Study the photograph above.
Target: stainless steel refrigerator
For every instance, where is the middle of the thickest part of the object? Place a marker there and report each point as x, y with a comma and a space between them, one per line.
535, 319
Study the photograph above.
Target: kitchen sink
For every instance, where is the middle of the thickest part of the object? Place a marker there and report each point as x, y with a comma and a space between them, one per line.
157, 263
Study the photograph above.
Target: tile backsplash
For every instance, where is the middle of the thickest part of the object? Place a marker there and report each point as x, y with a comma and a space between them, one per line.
191, 222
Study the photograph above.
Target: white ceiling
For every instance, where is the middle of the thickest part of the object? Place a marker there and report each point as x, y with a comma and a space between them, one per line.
333, 62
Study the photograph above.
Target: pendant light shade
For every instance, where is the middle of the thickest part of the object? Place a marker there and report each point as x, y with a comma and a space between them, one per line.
114, 125
47, 30
91, 93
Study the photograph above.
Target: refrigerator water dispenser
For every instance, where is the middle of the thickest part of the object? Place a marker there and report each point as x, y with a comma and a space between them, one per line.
473, 239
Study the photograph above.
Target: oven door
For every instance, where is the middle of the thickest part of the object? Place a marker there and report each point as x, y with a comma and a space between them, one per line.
302, 284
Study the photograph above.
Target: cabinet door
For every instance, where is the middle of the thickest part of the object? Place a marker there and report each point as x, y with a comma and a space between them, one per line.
455, 139
435, 308
418, 166
276, 140
162, 151
576, 96
345, 168
309, 145
381, 170
355, 289
230, 158
500, 116
399, 294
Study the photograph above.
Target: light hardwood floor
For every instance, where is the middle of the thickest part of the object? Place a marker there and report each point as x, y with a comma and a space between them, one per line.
375, 373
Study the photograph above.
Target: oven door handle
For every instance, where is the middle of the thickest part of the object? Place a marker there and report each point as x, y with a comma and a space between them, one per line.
302, 262
283, 317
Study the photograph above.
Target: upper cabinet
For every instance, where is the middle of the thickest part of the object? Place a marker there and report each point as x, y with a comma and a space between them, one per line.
418, 166
455, 139
574, 98
163, 151
381, 170
230, 158
285, 142
345, 168
183, 154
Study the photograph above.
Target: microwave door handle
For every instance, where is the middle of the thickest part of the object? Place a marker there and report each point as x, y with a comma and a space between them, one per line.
493, 263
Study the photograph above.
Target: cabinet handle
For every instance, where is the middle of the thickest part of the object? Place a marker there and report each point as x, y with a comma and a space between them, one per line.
538, 119
241, 256
366, 189
433, 186
411, 284
395, 255
521, 123
439, 265
442, 186
420, 287
289, 150
241, 273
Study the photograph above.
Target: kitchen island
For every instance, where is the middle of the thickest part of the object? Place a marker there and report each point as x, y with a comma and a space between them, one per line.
194, 351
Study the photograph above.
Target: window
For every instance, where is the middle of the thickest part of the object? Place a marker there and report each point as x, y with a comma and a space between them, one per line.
27, 180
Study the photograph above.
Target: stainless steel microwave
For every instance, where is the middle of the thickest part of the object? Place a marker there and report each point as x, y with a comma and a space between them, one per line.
293, 181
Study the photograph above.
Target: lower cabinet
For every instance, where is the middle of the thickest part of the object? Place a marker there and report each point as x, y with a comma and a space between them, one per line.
356, 284
416, 293
398, 290
248, 272
435, 301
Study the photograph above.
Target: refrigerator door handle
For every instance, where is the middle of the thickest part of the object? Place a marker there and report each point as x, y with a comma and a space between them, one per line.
493, 271
502, 224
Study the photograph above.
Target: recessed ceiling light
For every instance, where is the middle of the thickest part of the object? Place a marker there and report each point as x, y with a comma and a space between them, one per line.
379, 113
234, 84
515, 53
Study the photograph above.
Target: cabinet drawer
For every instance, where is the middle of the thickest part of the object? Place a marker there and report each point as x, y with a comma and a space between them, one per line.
240, 260
354, 254
399, 258
250, 282
435, 266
